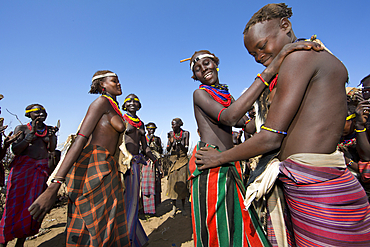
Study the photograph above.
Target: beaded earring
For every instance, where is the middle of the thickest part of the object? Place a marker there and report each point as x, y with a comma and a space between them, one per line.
217, 69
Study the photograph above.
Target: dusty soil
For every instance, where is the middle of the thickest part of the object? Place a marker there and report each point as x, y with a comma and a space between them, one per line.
161, 229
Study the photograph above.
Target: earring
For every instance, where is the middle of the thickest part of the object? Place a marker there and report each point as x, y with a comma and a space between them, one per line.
217, 69
102, 90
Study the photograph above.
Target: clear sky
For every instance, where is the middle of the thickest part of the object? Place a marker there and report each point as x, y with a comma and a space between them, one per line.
49, 51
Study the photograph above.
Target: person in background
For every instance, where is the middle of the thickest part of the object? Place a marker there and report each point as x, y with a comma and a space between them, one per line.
134, 139
177, 146
29, 172
151, 177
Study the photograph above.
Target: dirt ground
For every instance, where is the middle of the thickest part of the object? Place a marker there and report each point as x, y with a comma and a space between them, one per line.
161, 229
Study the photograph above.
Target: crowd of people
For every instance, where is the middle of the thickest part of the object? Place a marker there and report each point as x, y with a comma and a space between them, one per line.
299, 176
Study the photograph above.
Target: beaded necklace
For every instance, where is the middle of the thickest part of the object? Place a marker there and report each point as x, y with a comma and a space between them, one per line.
219, 93
177, 137
39, 133
114, 104
134, 121
148, 139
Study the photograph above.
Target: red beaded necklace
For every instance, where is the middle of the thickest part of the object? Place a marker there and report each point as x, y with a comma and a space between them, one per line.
44, 131
114, 105
177, 137
134, 121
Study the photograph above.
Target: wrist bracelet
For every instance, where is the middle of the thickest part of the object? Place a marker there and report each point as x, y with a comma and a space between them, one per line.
358, 131
259, 76
56, 181
59, 178
350, 163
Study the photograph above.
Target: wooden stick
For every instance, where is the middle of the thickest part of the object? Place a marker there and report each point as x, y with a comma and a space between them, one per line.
187, 59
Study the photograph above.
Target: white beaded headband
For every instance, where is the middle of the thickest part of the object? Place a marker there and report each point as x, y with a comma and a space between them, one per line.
104, 75
199, 58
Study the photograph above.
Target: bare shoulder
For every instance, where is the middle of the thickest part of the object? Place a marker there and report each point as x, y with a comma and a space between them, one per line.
199, 94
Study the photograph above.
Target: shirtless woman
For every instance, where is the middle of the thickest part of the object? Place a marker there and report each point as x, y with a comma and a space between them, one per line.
96, 205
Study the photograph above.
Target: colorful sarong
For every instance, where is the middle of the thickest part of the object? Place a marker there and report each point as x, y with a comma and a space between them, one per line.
138, 236
96, 210
26, 181
218, 217
327, 205
148, 187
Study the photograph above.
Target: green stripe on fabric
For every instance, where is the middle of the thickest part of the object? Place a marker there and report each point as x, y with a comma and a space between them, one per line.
238, 220
257, 226
195, 201
221, 207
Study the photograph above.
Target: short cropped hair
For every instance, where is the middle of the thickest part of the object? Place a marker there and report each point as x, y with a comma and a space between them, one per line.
216, 60
269, 12
364, 79
179, 121
95, 85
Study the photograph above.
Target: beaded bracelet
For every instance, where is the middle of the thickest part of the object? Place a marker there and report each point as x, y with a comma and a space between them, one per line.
358, 131
82, 135
350, 163
56, 181
219, 114
259, 76
272, 130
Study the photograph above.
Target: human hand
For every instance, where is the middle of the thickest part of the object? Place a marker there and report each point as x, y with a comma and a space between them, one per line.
43, 204
11, 138
208, 157
362, 113
3, 128
289, 48
33, 124
53, 130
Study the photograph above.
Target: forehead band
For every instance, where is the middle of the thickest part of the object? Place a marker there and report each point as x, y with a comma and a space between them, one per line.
199, 58
151, 127
35, 109
104, 75
128, 99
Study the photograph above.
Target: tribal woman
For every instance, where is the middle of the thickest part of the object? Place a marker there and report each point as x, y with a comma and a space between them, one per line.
28, 175
96, 209
177, 146
134, 138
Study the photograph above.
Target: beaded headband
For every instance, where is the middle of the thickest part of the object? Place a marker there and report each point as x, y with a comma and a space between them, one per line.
151, 127
127, 99
35, 109
199, 58
104, 75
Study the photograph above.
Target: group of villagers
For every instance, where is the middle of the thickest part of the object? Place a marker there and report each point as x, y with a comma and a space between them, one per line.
302, 191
